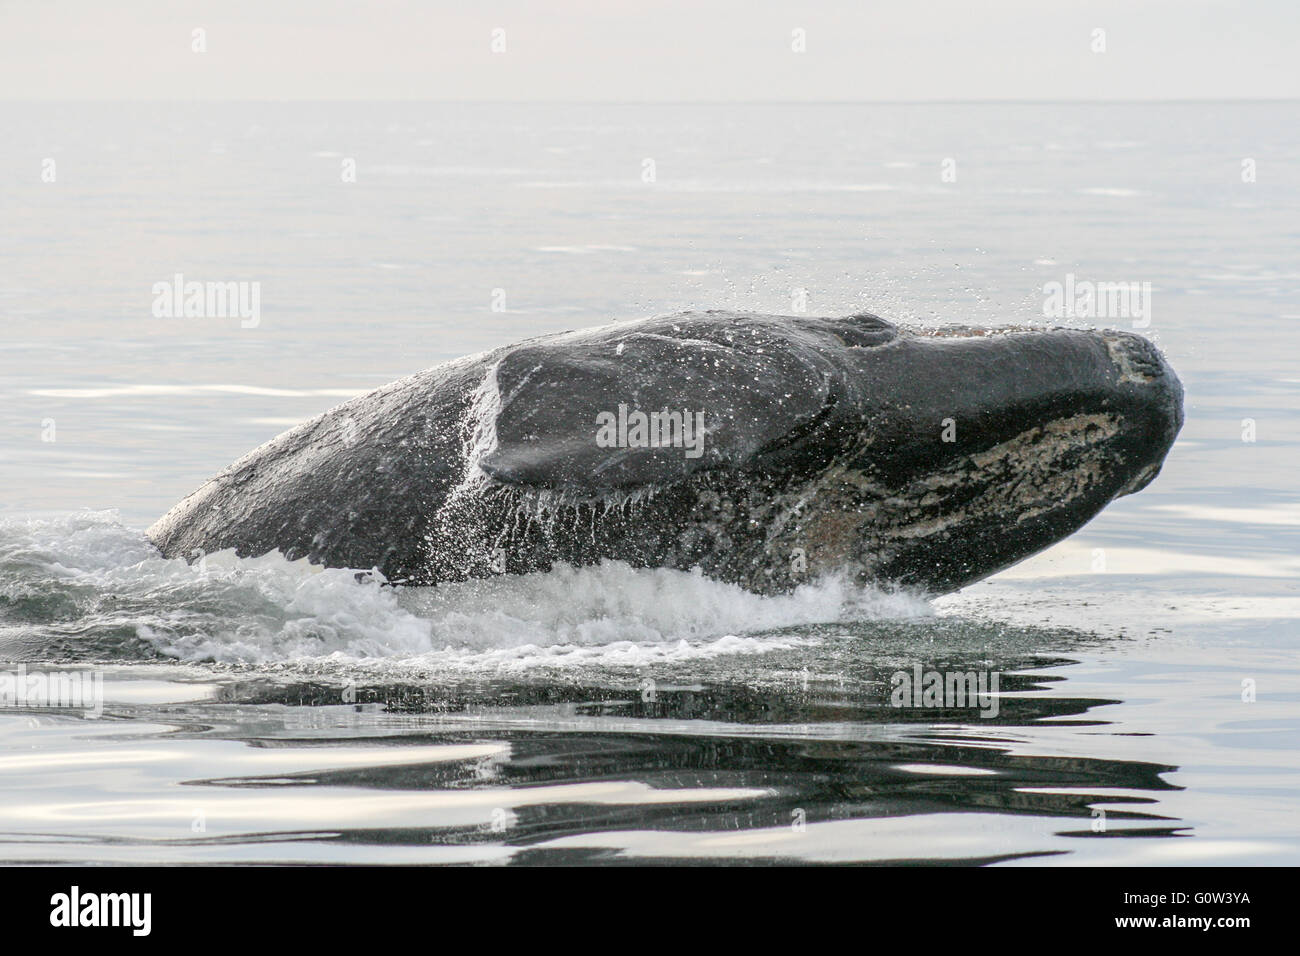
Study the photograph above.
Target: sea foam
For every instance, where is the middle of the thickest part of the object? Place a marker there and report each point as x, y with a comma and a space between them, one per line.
84, 586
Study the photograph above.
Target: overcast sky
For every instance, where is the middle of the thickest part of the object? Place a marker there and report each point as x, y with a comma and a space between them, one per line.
645, 50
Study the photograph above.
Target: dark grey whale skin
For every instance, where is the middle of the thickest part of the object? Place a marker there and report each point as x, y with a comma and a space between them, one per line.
825, 451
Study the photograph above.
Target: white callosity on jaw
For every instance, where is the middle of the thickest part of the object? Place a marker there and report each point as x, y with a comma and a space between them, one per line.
1129, 370
847, 517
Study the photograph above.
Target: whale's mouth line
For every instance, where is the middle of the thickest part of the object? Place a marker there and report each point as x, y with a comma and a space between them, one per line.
1035, 471
849, 519
853, 519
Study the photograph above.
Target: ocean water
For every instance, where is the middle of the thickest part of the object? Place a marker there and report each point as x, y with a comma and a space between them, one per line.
1148, 705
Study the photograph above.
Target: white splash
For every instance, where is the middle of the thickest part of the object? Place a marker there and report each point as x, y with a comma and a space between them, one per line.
270, 610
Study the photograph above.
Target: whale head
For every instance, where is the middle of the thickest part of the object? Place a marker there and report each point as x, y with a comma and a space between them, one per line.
778, 448
763, 450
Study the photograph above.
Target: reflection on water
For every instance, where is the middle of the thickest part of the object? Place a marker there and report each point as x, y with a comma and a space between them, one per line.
807, 760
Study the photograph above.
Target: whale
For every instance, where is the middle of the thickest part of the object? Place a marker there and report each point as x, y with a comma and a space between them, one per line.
767, 451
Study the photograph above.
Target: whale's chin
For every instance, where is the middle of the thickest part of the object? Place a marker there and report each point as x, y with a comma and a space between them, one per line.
978, 514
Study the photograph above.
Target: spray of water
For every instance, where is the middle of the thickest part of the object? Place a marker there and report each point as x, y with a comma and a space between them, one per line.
85, 587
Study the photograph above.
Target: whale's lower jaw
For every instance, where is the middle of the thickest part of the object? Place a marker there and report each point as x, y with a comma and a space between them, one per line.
971, 518
940, 531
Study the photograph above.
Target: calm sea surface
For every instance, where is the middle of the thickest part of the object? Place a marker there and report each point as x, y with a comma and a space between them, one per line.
257, 710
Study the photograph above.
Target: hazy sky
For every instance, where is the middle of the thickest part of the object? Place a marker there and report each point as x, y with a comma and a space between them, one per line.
673, 50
